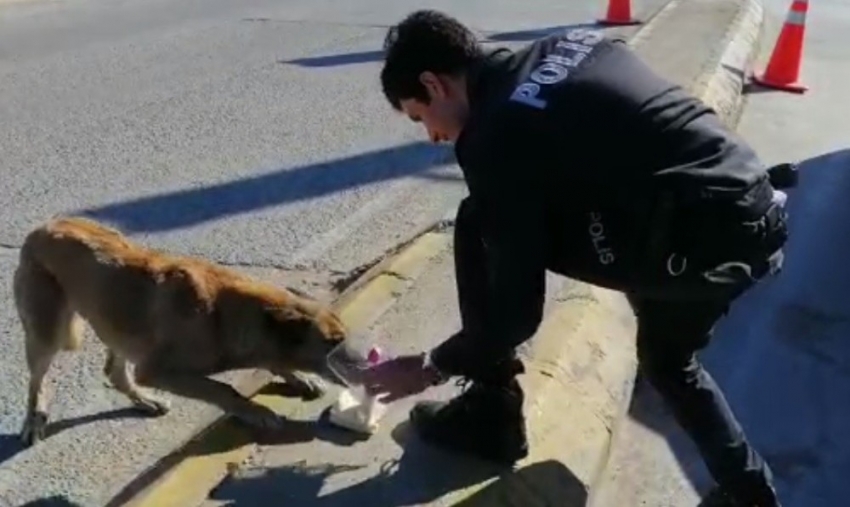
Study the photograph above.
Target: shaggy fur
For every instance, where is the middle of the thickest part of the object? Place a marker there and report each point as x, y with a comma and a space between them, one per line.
178, 320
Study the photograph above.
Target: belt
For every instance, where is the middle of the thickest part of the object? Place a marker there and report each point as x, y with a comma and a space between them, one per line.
686, 241
685, 247
772, 218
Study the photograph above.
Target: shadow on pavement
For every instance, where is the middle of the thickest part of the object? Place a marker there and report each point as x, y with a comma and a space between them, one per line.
648, 408
782, 354
750, 86
10, 444
420, 476
53, 501
551, 482
337, 60
189, 207
341, 59
536, 33
229, 434
110, 415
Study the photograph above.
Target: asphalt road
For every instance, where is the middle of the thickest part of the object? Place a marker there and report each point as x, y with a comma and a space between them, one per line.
783, 353
250, 132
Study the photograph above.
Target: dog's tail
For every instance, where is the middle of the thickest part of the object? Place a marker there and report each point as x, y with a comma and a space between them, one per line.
43, 306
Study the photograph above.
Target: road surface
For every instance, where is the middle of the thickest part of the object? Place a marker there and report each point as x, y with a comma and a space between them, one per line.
250, 132
783, 354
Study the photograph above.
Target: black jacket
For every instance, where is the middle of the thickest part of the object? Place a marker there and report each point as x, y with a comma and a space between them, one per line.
570, 146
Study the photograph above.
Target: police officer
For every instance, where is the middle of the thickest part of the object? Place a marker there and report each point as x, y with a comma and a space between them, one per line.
580, 160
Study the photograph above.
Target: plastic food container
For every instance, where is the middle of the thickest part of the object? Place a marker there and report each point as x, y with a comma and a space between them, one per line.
354, 408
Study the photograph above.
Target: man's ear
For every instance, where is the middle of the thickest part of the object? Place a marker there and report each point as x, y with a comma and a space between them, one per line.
433, 84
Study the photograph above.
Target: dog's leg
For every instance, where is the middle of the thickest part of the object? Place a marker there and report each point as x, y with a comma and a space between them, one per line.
208, 390
116, 369
39, 357
49, 325
305, 387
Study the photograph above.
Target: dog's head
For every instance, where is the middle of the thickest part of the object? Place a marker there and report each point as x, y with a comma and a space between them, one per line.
302, 335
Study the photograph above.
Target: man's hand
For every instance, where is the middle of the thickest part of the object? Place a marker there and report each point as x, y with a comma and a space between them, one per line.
400, 377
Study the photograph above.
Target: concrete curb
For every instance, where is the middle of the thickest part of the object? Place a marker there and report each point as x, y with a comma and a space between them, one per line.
722, 85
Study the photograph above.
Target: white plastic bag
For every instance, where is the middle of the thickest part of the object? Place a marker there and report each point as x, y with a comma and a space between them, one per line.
354, 408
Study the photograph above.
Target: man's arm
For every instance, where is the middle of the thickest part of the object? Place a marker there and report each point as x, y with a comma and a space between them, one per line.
510, 208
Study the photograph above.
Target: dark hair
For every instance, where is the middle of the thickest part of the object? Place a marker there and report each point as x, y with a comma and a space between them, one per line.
425, 40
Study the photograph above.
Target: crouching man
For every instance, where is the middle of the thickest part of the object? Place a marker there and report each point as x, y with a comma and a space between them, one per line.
580, 160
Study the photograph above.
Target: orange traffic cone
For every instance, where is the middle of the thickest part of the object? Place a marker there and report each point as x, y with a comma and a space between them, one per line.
619, 13
783, 70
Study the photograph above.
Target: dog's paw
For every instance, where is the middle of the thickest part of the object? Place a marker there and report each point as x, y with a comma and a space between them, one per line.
152, 406
262, 418
34, 429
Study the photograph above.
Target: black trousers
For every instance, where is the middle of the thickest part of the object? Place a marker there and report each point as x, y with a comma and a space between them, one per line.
670, 333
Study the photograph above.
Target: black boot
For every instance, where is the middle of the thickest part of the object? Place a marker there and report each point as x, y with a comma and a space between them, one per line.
485, 421
718, 497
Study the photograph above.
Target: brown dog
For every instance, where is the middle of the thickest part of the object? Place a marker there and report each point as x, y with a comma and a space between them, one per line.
177, 319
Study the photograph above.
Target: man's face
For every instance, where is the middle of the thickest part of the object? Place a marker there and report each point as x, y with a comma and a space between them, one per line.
445, 114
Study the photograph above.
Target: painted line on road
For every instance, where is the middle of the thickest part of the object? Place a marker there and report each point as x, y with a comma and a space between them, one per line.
207, 459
